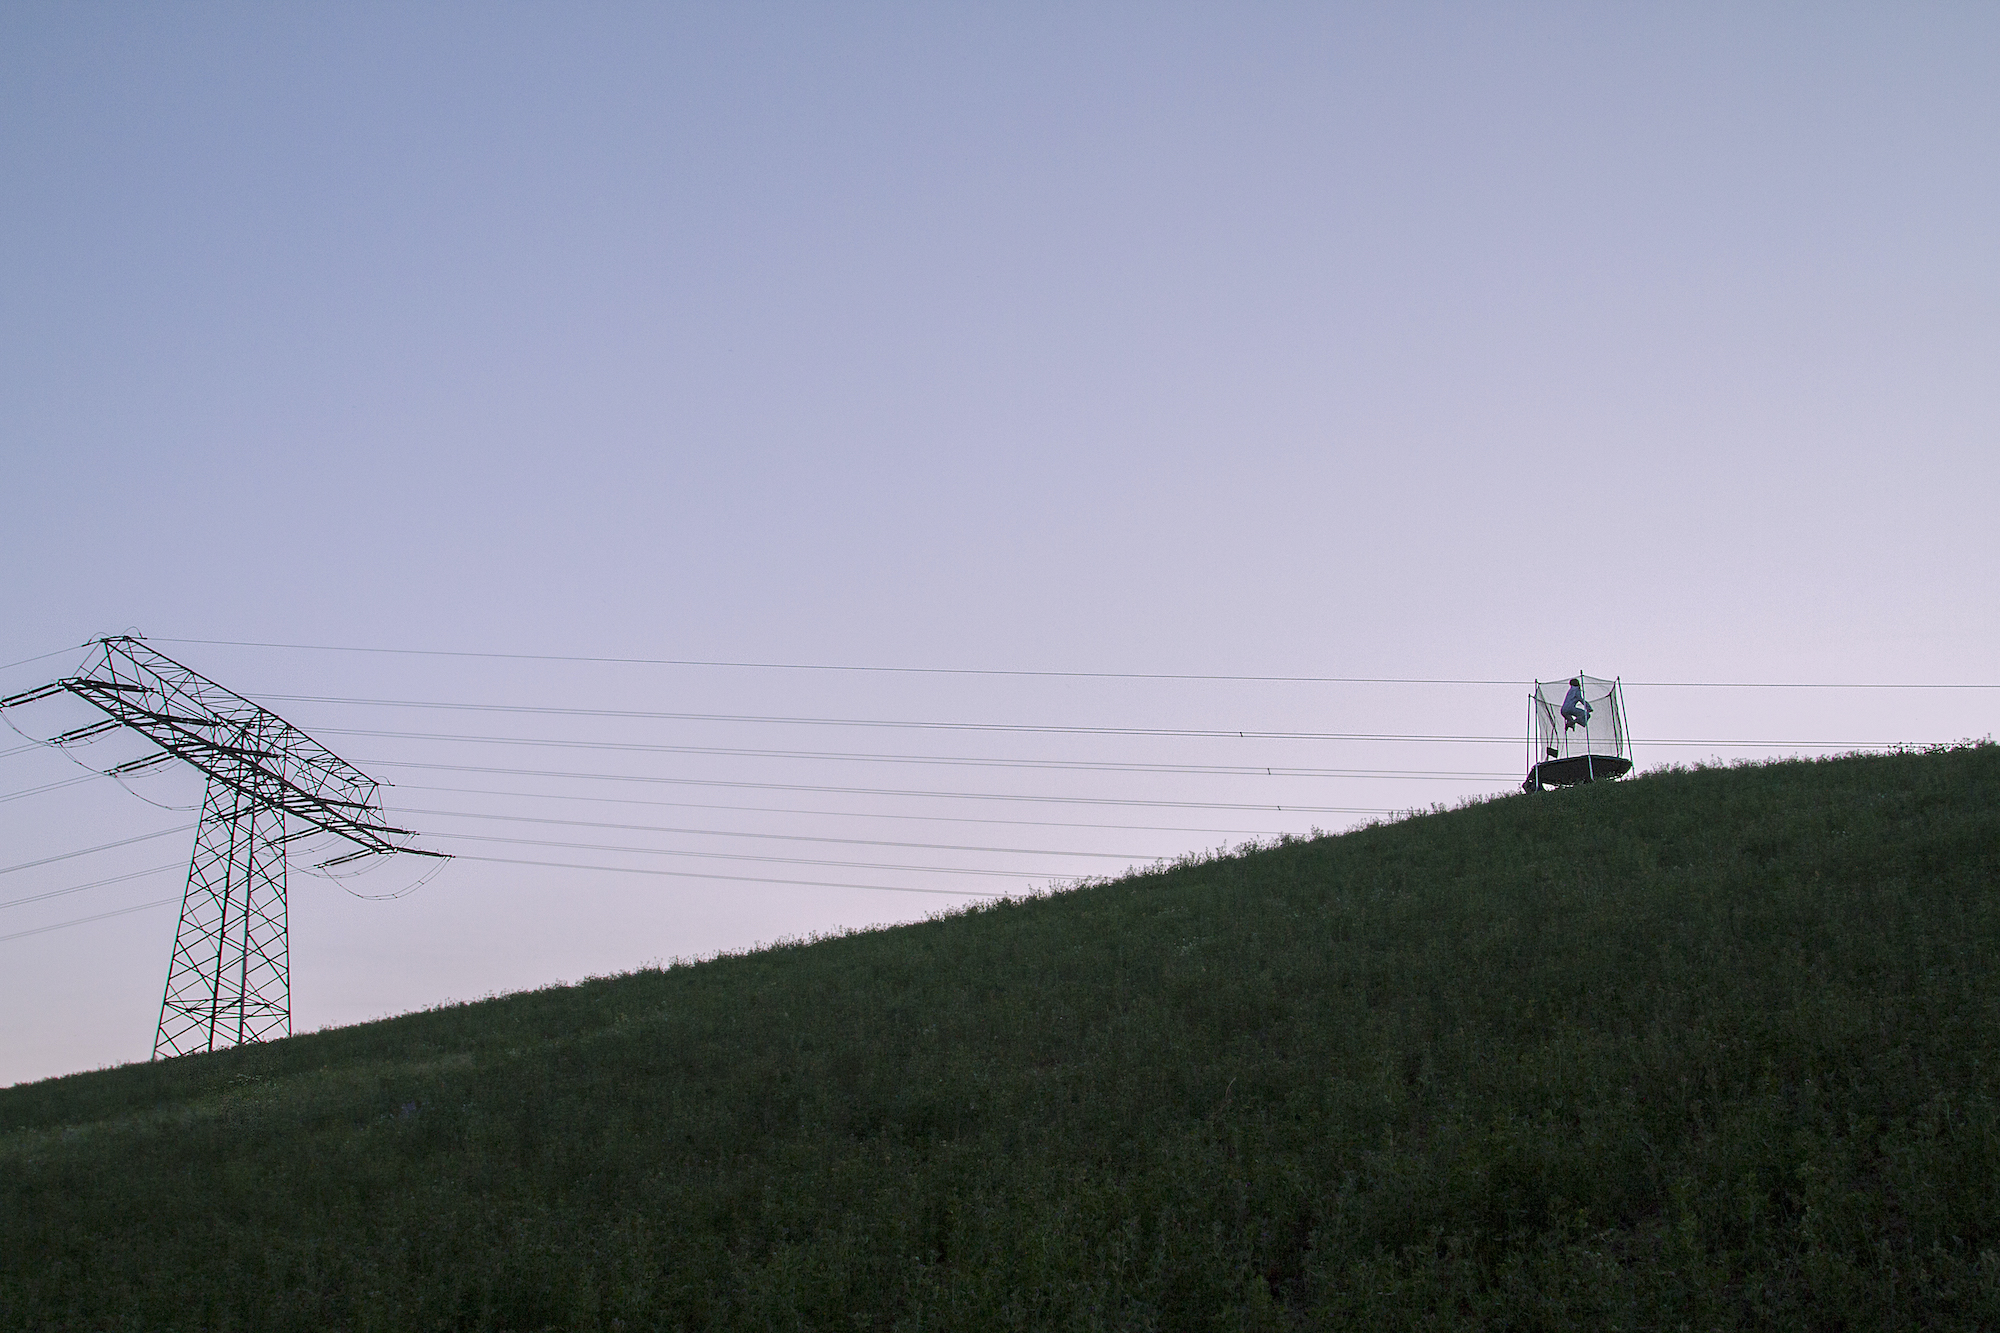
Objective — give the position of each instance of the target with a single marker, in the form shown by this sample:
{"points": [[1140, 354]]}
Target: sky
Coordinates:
{"points": [[1327, 344]]}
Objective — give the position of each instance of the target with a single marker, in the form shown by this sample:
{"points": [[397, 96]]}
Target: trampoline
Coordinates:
{"points": [[1589, 743]]}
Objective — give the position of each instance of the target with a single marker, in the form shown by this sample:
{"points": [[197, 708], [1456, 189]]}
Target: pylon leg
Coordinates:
{"points": [[229, 980]]}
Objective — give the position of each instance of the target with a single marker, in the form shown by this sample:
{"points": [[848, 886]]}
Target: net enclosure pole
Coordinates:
{"points": [[1589, 759], [1624, 725]]}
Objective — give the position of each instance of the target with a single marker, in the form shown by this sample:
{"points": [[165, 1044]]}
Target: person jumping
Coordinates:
{"points": [[1576, 708]]}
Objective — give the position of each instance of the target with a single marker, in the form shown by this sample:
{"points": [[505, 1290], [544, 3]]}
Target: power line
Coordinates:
{"points": [[777, 837], [50, 786], [94, 884], [1003, 728], [567, 865], [86, 920], [1067, 675], [101, 847], [1809, 685], [747, 856], [553, 865], [41, 657], [739, 879], [820, 666], [1773, 745], [864, 814], [623, 714], [1010, 728], [868, 791], [961, 761]]}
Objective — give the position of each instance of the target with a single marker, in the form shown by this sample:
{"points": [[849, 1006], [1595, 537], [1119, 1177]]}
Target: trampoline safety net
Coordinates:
{"points": [[1586, 743]]}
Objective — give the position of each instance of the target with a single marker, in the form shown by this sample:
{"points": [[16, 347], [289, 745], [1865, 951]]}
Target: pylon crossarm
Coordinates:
{"points": [[95, 729], [237, 767], [29, 696], [231, 739], [139, 765]]}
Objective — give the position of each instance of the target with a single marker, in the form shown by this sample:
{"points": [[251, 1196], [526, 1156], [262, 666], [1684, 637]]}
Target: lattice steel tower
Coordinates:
{"points": [[269, 784]]}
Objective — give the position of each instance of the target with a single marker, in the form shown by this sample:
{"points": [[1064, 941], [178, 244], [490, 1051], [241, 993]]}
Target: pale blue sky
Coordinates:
{"points": [[1439, 341]]}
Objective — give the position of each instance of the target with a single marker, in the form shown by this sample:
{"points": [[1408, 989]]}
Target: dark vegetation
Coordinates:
{"points": [[1705, 1049]]}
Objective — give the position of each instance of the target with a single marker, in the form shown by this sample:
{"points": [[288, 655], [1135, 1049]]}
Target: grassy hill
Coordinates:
{"points": [[1706, 1049]]}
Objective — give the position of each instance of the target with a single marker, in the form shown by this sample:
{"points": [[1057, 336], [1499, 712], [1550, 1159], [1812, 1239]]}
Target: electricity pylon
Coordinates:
{"points": [[229, 978]]}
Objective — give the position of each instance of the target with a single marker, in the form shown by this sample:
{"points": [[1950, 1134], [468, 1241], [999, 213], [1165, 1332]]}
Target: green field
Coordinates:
{"points": [[1704, 1049]]}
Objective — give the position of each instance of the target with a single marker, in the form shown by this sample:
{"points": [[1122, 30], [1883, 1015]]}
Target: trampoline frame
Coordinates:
{"points": [[1590, 766]]}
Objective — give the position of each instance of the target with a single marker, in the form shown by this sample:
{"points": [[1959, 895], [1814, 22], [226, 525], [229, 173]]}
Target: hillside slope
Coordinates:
{"points": [[1717, 1048]]}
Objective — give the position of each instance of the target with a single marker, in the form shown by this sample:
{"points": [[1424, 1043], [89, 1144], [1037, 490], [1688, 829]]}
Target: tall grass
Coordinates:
{"points": [[1705, 1049]]}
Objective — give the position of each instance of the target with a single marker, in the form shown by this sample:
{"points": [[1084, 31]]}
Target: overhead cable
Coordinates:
{"points": [[94, 884], [778, 837], [958, 761], [49, 786], [626, 714], [863, 791], [739, 879], [101, 847], [40, 657], [562, 865], [1068, 675], [862, 814], [86, 920], [1007, 728], [820, 666], [749, 856]]}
